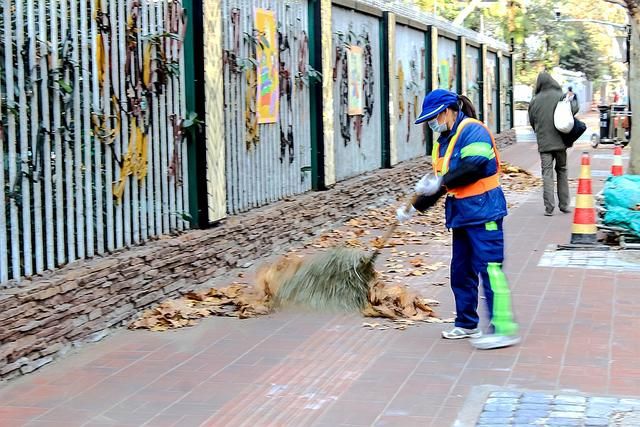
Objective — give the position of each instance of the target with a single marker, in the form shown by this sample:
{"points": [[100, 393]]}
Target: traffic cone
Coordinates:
{"points": [[583, 230], [616, 167]]}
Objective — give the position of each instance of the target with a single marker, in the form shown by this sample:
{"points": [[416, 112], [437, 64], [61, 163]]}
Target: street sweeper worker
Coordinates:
{"points": [[466, 169]]}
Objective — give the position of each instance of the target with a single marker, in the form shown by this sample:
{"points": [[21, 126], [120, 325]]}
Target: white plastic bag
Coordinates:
{"points": [[563, 116]]}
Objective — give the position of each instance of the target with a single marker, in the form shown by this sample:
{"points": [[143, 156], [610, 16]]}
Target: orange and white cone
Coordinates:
{"points": [[616, 167], [583, 230]]}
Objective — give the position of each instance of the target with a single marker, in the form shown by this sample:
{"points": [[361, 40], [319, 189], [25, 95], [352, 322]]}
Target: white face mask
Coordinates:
{"points": [[437, 127]]}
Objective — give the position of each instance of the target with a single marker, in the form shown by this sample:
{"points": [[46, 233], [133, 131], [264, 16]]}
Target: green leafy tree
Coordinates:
{"points": [[581, 53], [442, 8], [632, 8]]}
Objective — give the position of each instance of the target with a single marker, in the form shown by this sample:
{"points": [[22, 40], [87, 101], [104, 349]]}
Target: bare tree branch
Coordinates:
{"points": [[618, 2], [466, 12]]}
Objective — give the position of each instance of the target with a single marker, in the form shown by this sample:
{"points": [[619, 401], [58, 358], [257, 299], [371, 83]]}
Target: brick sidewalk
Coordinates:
{"points": [[580, 332]]}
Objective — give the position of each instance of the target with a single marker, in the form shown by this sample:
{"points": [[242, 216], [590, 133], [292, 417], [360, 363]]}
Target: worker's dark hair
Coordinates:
{"points": [[570, 89], [466, 106]]}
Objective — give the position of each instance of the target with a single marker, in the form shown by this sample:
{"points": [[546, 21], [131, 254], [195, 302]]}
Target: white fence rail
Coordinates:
{"points": [[92, 124]]}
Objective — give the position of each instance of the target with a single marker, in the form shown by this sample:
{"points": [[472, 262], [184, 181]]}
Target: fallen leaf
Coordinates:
{"points": [[436, 266], [416, 262], [404, 321]]}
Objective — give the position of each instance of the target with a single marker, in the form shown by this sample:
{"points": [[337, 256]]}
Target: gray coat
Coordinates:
{"points": [[548, 93]]}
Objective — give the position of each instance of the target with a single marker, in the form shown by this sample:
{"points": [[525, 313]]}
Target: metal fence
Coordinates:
{"points": [[506, 88], [357, 137], [411, 84], [447, 64], [92, 125], [266, 162], [491, 91], [473, 77]]}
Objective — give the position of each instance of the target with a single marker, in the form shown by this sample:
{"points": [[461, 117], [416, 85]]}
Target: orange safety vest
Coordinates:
{"points": [[441, 165]]}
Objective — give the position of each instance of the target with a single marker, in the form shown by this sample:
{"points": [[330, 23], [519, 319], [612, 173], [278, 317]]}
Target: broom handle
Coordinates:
{"points": [[387, 235]]}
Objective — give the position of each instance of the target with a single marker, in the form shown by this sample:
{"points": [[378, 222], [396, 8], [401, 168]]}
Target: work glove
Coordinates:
{"points": [[428, 185], [403, 214]]}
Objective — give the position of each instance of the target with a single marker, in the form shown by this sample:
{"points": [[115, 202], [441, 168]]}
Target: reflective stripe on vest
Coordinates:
{"points": [[441, 164]]}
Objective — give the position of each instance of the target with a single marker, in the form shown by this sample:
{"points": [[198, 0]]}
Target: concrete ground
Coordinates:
{"points": [[580, 329]]}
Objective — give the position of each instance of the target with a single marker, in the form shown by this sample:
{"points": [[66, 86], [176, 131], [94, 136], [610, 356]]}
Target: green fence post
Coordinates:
{"points": [[428, 66], [499, 99], [194, 90], [459, 65], [481, 77], [315, 96], [511, 74], [384, 89]]}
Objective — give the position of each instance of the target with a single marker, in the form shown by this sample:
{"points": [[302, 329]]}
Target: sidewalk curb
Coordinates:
{"points": [[473, 405]]}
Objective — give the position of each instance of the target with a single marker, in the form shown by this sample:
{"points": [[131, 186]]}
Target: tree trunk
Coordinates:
{"points": [[634, 96]]}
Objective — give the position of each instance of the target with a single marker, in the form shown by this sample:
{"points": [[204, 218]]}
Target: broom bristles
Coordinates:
{"points": [[337, 280]]}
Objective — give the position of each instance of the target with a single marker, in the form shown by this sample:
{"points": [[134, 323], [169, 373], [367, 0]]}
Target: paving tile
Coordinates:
{"points": [[483, 376], [404, 405], [17, 413], [489, 360], [568, 408], [387, 421], [563, 422], [596, 422], [493, 415], [507, 394], [530, 413], [351, 412], [65, 414], [534, 406]]}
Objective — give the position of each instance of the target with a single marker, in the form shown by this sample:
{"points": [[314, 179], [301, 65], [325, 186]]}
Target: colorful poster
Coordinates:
{"points": [[355, 67], [443, 74], [267, 57]]}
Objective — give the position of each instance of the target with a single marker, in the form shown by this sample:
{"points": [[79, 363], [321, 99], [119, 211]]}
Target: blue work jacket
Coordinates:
{"points": [[473, 146]]}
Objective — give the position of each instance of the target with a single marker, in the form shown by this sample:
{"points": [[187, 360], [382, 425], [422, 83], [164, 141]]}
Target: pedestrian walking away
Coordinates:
{"points": [[552, 149], [466, 167], [570, 95]]}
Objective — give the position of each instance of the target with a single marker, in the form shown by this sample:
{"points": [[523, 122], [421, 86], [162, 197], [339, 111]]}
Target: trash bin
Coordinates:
{"points": [[605, 112]]}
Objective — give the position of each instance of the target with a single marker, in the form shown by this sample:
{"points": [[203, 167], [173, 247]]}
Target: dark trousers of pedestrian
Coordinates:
{"points": [[478, 253], [555, 160]]}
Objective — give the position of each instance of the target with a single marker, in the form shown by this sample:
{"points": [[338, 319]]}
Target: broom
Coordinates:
{"points": [[337, 280]]}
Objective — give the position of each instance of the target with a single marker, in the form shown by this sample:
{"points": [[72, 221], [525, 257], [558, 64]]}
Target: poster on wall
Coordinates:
{"points": [[489, 88], [473, 90], [443, 74], [267, 57], [355, 68]]}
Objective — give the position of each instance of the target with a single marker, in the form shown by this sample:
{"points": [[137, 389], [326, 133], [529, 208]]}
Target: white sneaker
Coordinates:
{"points": [[489, 342], [459, 333]]}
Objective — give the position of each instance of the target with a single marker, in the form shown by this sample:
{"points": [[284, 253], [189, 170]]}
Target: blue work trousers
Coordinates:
{"points": [[478, 253]]}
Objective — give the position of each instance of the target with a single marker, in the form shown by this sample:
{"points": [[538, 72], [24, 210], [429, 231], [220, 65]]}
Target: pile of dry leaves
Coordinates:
{"points": [[244, 301], [236, 300], [514, 178]]}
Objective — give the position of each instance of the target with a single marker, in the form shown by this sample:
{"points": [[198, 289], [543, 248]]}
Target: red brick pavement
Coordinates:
{"points": [[581, 331]]}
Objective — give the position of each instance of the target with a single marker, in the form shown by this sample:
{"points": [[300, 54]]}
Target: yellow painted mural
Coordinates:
{"points": [[267, 54]]}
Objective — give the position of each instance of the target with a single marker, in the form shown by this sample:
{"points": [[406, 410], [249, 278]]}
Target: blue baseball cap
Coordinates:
{"points": [[436, 102]]}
